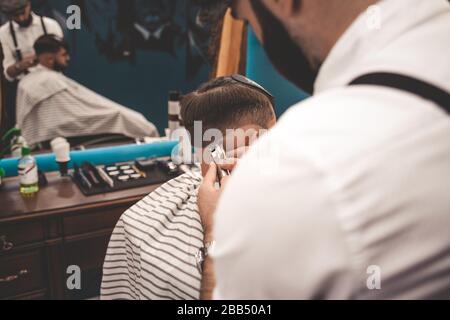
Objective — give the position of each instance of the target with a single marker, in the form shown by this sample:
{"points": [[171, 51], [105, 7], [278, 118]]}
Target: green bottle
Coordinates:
{"points": [[28, 173], [2, 175]]}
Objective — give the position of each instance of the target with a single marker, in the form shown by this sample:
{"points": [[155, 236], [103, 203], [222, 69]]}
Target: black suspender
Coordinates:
{"points": [[19, 55], [44, 28], [415, 86], [16, 45]]}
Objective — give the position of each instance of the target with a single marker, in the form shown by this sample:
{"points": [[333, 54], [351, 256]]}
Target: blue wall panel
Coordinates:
{"points": [[261, 70]]}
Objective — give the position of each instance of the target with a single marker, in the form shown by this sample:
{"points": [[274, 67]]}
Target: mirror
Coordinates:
{"points": [[124, 60]]}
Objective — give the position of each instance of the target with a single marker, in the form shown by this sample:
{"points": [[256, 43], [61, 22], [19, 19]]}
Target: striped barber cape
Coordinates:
{"points": [[152, 252], [51, 105]]}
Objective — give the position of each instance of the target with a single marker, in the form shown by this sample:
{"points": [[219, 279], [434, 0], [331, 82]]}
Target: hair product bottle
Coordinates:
{"points": [[28, 173]]}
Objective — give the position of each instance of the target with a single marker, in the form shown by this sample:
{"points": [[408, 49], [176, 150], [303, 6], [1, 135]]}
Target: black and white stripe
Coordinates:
{"points": [[50, 105], [152, 251]]}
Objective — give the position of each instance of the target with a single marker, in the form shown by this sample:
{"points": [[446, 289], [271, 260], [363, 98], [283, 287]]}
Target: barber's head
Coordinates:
{"points": [[52, 52], [231, 106], [18, 11], [299, 34]]}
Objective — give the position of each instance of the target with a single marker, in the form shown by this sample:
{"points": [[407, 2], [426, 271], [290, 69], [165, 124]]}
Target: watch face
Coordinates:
{"points": [[200, 259], [200, 256]]}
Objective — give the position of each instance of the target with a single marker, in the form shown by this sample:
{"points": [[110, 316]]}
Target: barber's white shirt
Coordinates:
{"points": [[350, 191], [26, 37]]}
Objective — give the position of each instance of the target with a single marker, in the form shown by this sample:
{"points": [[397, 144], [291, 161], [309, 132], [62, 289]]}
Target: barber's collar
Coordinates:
{"points": [[362, 48]]}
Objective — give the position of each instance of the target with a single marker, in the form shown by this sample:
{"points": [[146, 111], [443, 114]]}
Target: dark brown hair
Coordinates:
{"points": [[49, 44], [224, 103]]}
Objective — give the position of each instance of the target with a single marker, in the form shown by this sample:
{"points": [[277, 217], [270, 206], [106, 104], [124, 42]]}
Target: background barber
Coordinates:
{"points": [[17, 38], [347, 197]]}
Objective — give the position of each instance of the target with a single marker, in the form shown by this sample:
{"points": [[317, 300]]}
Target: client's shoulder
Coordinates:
{"points": [[39, 74], [41, 77], [180, 188], [172, 204], [177, 194]]}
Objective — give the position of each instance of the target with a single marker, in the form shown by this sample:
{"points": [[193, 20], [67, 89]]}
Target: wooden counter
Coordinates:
{"points": [[41, 237]]}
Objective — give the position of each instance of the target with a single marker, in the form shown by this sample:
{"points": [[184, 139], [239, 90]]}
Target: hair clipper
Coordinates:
{"points": [[219, 156]]}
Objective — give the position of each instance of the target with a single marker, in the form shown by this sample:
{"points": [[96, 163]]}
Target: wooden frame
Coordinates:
{"points": [[233, 47], [2, 97]]}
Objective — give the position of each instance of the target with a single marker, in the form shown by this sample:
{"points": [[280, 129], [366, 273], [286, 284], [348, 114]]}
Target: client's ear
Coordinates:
{"points": [[46, 59], [240, 149], [243, 137], [251, 135]]}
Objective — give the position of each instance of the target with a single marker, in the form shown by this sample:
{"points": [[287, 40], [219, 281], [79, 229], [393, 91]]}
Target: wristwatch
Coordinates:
{"points": [[203, 253], [18, 67]]}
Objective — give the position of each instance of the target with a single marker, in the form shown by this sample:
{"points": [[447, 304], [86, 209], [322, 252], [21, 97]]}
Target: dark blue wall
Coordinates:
{"points": [[261, 70]]}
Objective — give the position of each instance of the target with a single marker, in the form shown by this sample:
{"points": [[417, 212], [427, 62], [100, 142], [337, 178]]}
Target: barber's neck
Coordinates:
{"points": [[321, 31]]}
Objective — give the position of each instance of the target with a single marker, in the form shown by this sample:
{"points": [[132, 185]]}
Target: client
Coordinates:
{"points": [[50, 105], [153, 252]]}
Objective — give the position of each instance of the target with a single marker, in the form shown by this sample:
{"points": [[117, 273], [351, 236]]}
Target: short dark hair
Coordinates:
{"points": [[224, 103], [49, 44]]}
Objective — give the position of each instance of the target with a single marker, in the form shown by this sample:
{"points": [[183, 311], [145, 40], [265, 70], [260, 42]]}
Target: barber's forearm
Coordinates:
{"points": [[22, 66], [208, 280]]}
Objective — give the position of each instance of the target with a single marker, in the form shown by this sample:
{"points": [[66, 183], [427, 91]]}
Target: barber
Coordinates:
{"points": [[17, 38], [347, 197]]}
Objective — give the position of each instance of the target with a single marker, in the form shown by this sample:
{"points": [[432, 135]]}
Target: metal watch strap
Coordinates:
{"points": [[203, 253]]}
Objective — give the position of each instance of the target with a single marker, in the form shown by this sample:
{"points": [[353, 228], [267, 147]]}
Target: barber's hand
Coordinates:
{"points": [[208, 196], [27, 62]]}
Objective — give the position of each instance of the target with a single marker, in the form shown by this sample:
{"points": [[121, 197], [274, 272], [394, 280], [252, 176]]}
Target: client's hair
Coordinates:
{"points": [[49, 44], [224, 103]]}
